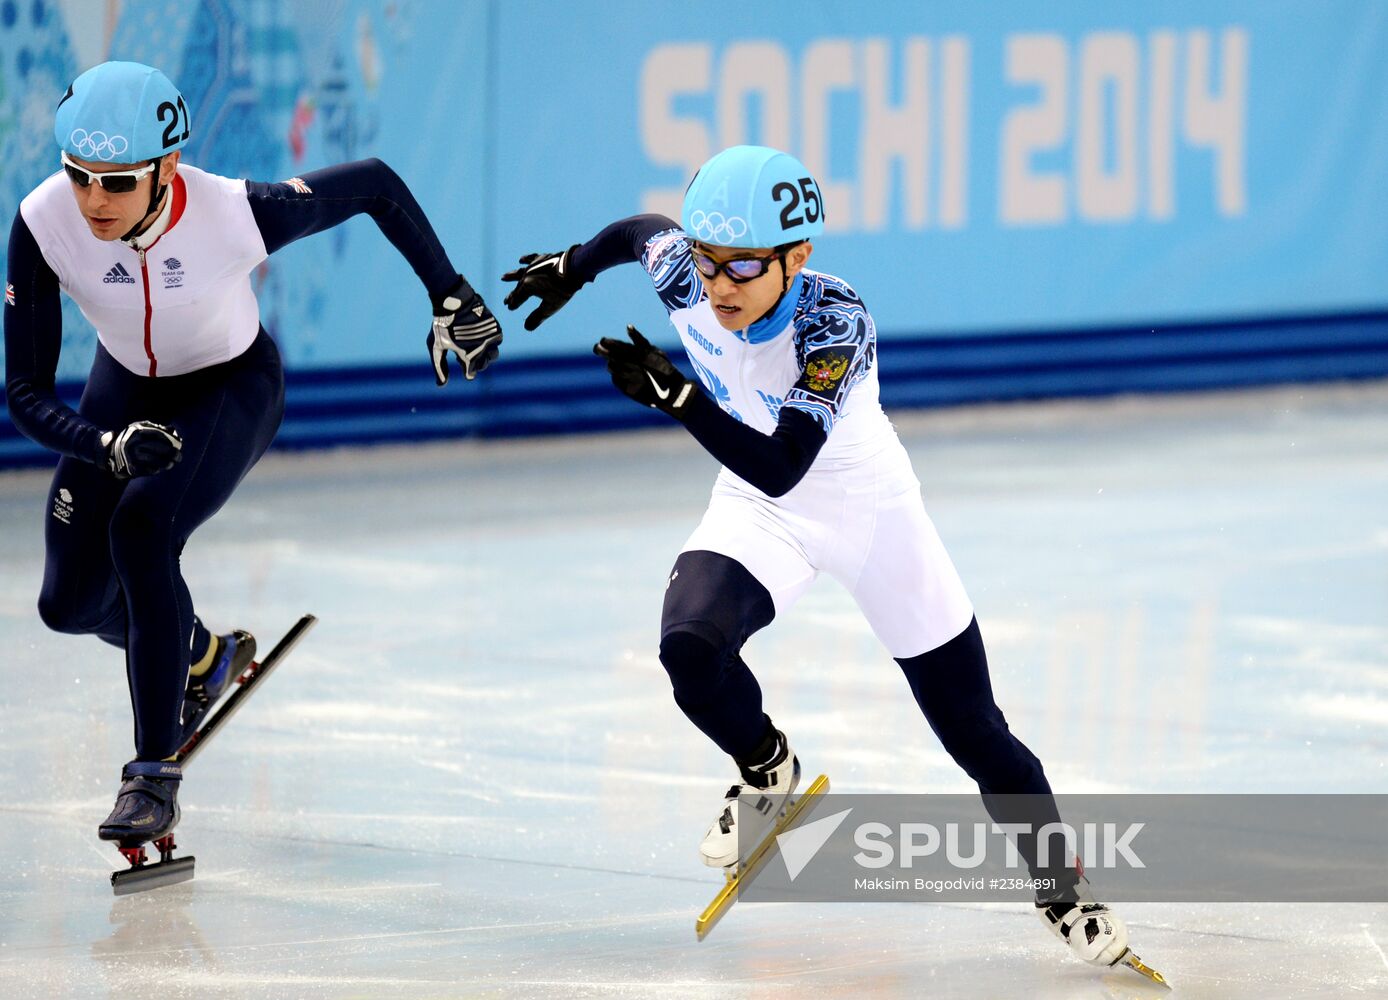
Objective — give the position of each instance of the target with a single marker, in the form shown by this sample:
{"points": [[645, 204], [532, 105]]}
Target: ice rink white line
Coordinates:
{"points": [[205, 813], [221, 980], [355, 890], [641, 987], [19, 954], [1017, 910], [1382, 957], [461, 855], [105, 856], [577, 924]]}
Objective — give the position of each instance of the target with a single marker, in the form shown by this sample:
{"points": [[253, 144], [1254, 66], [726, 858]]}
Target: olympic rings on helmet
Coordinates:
{"points": [[714, 227], [98, 145]]}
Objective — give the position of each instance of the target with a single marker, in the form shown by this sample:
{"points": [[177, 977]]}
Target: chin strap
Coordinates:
{"points": [[156, 196], [774, 321], [781, 254], [785, 286]]}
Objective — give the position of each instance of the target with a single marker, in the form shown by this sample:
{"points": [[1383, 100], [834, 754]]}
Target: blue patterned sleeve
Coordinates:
{"points": [[666, 259], [836, 343]]}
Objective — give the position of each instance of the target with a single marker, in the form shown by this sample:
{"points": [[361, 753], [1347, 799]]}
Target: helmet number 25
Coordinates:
{"points": [[175, 114], [813, 206]]}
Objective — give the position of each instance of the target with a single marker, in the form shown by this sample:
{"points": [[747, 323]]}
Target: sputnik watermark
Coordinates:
{"points": [[1138, 848], [881, 846]]}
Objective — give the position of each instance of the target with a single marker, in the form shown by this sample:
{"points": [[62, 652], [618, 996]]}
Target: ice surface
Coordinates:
{"points": [[470, 780]]}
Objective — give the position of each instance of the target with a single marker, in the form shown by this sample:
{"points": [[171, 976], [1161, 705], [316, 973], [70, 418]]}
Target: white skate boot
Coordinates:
{"points": [[1093, 931], [776, 779]]}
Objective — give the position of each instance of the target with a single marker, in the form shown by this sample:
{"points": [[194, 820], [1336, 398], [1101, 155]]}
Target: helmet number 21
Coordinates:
{"points": [[813, 206], [174, 114]]}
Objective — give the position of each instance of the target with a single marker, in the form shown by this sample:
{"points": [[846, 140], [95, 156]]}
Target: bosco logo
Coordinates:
{"points": [[703, 341]]}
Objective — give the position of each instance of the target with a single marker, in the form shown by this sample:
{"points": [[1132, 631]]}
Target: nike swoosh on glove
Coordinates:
{"points": [[644, 372], [547, 277]]}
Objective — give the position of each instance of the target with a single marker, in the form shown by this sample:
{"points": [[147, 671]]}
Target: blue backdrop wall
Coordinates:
{"points": [[1032, 199]]}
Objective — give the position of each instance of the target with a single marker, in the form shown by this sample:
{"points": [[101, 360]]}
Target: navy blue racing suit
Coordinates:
{"points": [[113, 546]]}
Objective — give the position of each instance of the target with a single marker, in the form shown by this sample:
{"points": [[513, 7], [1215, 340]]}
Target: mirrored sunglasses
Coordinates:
{"points": [[114, 181], [739, 269]]}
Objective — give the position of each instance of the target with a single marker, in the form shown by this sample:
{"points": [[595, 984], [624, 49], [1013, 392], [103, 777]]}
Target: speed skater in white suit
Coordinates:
{"points": [[814, 479], [186, 390]]}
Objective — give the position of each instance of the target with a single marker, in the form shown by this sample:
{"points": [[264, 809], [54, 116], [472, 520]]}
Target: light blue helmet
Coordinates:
{"points": [[121, 112], [752, 196]]}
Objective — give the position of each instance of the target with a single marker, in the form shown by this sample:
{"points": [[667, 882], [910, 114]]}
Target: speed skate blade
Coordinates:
{"points": [[245, 684], [749, 868], [151, 876], [1135, 963]]}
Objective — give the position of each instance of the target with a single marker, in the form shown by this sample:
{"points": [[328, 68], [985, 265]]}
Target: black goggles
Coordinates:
{"points": [[113, 181], [738, 269]]}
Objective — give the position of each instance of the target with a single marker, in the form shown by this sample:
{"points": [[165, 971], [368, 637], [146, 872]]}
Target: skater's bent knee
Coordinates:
{"points": [[64, 612], [692, 655], [59, 615], [965, 731]]}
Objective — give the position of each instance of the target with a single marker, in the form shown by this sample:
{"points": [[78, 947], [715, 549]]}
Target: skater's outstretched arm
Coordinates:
{"points": [[33, 340], [463, 325], [554, 278], [623, 242], [773, 463], [322, 199]]}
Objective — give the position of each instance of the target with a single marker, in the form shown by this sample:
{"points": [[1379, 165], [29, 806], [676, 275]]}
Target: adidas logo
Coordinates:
{"points": [[118, 275]]}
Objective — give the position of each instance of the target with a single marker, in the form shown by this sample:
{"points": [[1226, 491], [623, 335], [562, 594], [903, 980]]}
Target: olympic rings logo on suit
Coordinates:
{"points": [[714, 227], [98, 145]]}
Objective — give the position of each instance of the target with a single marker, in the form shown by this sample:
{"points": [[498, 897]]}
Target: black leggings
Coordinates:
{"points": [[113, 546], [713, 605], [954, 693]]}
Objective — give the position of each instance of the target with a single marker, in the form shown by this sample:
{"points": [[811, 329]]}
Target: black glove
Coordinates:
{"points": [[465, 326], [547, 277], [643, 372], [142, 449]]}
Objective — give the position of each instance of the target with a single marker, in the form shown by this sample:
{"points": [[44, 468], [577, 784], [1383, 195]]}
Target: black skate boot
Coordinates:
{"points": [[147, 804], [230, 659], [147, 810]]}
